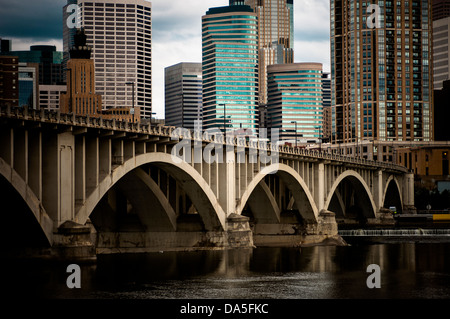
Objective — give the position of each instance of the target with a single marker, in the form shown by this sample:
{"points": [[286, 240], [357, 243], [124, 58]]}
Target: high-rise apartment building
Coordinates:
{"points": [[119, 31], [230, 68], [276, 36], [381, 76], [326, 93], [183, 94], [295, 100]]}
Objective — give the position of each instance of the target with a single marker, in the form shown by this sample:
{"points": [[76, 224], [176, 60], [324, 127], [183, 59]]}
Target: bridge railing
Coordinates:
{"points": [[168, 131]]}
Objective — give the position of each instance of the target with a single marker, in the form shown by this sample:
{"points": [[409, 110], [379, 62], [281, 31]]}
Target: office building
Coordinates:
{"points": [[119, 31], [9, 81], [381, 77], [276, 36], [230, 68], [430, 164], [441, 52], [29, 85], [50, 96], [48, 60], [70, 18], [295, 103], [81, 98], [183, 94]]}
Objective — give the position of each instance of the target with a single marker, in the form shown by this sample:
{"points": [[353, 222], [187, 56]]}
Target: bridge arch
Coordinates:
{"points": [[360, 187], [296, 185], [392, 195], [195, 186], [30, 199]]}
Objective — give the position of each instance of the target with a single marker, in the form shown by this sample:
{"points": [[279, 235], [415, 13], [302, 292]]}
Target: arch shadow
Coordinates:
{"points": [[29, 198], [202, 196], [392, 195], [295, 183], [364, 197]]}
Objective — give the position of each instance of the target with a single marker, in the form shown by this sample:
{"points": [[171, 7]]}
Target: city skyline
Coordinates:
{"points": [[175, 24]]}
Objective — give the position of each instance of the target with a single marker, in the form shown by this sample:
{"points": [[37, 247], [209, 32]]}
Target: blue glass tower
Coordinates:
{"points": [[230, 68]]}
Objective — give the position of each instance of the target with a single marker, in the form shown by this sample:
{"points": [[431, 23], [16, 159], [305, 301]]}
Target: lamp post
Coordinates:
{"points": [[295, 122], [132, 109], [224, 118]]}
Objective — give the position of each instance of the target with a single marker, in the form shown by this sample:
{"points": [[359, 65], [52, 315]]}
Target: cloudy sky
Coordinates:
{"points": [[176, 31]]}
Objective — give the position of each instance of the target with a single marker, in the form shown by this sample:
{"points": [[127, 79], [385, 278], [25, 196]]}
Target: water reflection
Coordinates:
{"points": [[408, 271]]}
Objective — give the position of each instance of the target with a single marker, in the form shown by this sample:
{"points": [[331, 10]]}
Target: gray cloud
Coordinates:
{"points": [[39, 20]]}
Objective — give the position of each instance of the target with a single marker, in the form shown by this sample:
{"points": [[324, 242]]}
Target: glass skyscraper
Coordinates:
{"points": [[295, 100], [381, 77], [230, 68], [276, 36]]}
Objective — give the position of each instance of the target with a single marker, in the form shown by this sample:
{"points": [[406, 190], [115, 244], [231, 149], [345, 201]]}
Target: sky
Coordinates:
{"points": [[176, 32]]}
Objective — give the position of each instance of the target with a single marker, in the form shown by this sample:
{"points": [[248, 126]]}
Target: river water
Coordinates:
{"points": [[408, 271]]}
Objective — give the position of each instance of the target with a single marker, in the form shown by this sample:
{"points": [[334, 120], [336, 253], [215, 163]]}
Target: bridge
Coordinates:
{"points": [[77, 186]]}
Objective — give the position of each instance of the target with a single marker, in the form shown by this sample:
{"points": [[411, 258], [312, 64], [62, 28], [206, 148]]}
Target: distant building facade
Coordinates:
{"points": [[81, 98], [9, 81], [295, 102], [183, 94], [382, 77], [120, 33]]}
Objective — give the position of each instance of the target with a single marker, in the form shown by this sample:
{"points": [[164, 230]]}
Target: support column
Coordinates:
{"points": [[378, 190], [35, 163], [226, 182], [66, 150], [319, 185], [408, 192]]}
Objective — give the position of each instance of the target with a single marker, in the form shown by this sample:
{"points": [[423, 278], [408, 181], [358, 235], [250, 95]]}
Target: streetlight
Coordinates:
{"points": [[295, 122], [132, 109], [224, 117]]}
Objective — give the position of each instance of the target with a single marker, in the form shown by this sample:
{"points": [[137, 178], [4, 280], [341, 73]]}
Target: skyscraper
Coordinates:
{"points": [[119, 31], [81, 98], [441, 52], [295, 102], [230, 68], [276, 36], [381, 77], [183, 94]]}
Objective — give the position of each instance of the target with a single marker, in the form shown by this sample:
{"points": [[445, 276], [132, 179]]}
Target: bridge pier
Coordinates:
{"points": [[292, 233]]}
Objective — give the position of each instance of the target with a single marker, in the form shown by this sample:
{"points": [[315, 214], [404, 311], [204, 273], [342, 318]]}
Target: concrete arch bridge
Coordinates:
{"points": [[79, 186]]}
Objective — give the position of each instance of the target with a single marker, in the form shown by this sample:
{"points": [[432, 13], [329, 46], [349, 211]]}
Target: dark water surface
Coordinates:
{"points": [[408, 271]]}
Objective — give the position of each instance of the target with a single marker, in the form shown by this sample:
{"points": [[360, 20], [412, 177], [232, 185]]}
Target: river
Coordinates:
{"points": [[408, 271]]}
